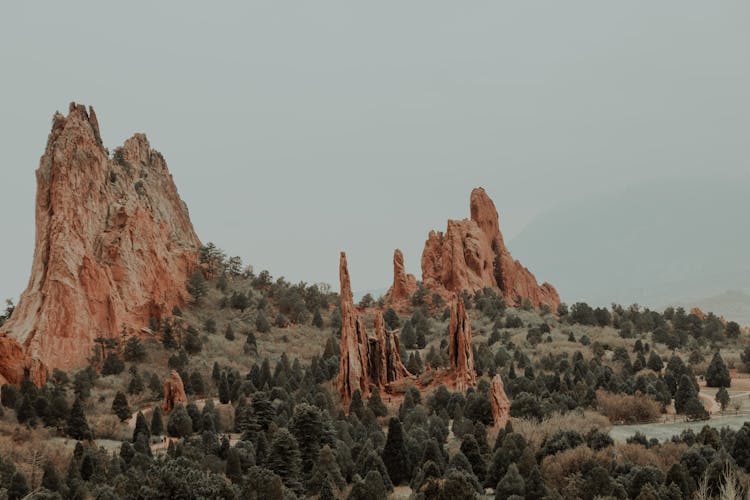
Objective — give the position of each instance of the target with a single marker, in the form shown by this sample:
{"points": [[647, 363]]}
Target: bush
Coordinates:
{"points": [[626, 408]]}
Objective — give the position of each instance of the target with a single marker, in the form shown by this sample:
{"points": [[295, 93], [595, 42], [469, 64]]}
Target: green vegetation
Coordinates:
{"points": [[258, 357]]}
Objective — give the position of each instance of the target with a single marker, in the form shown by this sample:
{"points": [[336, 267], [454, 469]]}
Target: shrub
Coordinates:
{"points": [[627, 408]]}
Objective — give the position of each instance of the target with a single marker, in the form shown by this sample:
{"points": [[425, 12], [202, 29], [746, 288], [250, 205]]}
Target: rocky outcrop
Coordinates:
{"points": [[353, 366], [174, 392], [114, 245], [499, 402], [698, 312], [16, 365], [460, 353], [404, 285], [471, 255], [385, 355], [366, 361]]}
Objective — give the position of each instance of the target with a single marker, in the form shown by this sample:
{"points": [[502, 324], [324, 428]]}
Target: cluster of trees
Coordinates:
{"points": [[674, 327]]}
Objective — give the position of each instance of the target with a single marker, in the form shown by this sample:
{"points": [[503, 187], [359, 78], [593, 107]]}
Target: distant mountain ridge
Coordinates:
{"points": [[654, 244]]}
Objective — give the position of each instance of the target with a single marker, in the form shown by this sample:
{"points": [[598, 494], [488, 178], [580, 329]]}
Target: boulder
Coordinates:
{"points": [[460, 352], [174, 392]]}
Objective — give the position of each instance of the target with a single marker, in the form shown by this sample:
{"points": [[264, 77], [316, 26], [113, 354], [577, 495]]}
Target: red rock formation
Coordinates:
{"points": [[471, 255], [16, 364], [389, 368], [365, 360], [459, 345], [174, 392], [404, 285], [353, 368], [114, 244], [500, 402], [698, 312]]}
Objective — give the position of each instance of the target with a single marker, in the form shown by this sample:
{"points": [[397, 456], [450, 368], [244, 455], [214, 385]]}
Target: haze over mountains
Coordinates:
{"points": [[677, 242]]}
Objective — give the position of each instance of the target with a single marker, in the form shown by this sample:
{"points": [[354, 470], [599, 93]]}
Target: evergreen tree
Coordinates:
{"points": [[392, 321], [717, 373], [261, 323], [141, 427], [284, 459], [722, 397], [136, 384], [196, 285], [120, 406], [224, 394], [234, 466], [654, 362], [326, 470], [193, 343], [26, 414], [51, 479], [317, 320], [157, 422], [511, 484], [472, 452], [134, 350], [167, 338], [179, 424], [18, 487], [375, 404], [78, 426], [394, 453], [113, 365], [307, 428], [685, 392], [408, 336], [155, 386], [229, 332]]}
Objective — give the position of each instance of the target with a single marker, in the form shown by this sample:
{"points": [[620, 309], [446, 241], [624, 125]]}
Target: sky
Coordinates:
{"points": [[295, 130]]}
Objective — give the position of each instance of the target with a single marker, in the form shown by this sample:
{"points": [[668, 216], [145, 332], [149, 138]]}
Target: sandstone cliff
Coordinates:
{"points": [[114, 245], [471, 255]]}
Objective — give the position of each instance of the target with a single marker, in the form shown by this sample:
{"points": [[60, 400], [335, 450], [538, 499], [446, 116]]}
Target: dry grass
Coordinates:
{"points": [[536, 432], [30, 449]]}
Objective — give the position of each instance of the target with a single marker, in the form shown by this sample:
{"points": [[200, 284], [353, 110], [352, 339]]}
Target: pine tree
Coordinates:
{"points": [[470, 448], [392, 321], [180, 424], [511, 484], [317, 320], [375, 404], [141, 427], [326, 470], [654, 362], [394, 453], [196, 285], [51, 479], [307, 428], [224, 394], [284, 459], [261, 323], [136, 384], [26, 414], [722, 397], [120, 406], [78, 426], [157, 422], [408, 335], [234, 466], [18, 487], [717, 373], [229, 332]]}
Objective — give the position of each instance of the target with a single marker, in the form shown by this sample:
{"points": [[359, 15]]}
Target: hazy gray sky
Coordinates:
{"points": [[298, 129]]}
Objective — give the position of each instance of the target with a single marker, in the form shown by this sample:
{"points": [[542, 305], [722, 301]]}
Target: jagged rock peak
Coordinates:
{"points": [[471, 255], [114, 244]]}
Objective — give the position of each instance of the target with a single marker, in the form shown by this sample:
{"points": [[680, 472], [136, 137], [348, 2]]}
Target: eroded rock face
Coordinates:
{"points": [[500, 402], [471, 255], [366, 360], [404, 285], [353, 368], [114, 244], [459, 345], [16, 364], [174, 392]]}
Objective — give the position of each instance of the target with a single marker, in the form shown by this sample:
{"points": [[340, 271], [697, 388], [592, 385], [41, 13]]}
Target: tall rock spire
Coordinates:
{"points": [[460, 352]]}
